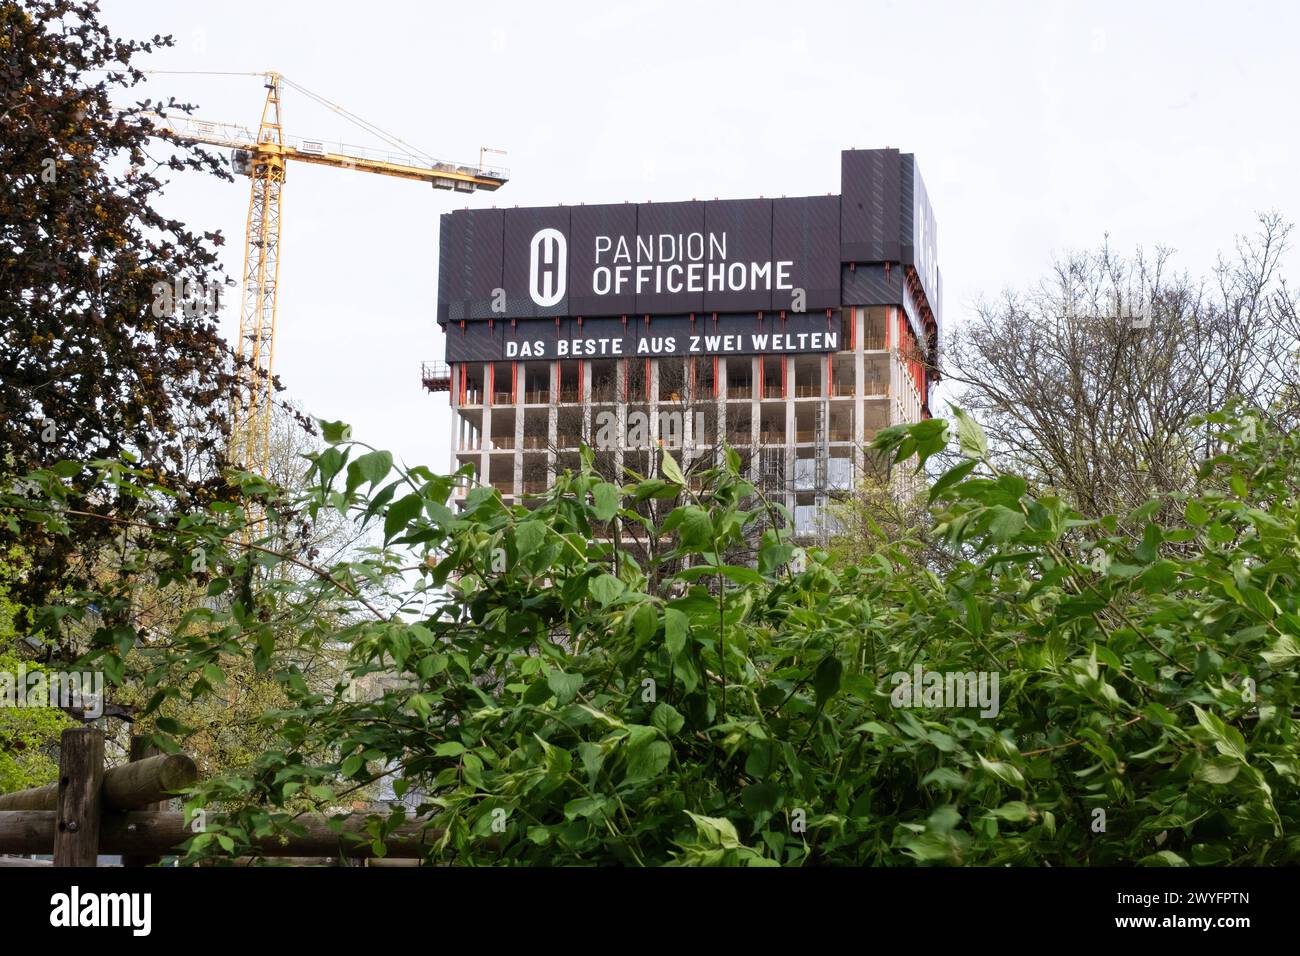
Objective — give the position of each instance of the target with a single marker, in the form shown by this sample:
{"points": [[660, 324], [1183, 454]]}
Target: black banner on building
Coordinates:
{"points": [[677, 258], [568, 339]]}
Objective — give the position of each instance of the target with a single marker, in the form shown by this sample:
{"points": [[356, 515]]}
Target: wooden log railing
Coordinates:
{"points": [[93, 811], [132, 786], [160, 832]]}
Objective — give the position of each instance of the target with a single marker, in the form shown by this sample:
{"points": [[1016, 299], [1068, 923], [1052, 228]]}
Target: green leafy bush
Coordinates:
{"points": [[543, 704]]}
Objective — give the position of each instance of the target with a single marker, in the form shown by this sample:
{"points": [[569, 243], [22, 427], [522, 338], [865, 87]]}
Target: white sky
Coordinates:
{"points": [[1039, 127]]}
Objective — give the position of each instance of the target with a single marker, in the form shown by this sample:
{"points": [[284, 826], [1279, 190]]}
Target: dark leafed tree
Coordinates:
{"points": [[1090, 381], [108, 331]]}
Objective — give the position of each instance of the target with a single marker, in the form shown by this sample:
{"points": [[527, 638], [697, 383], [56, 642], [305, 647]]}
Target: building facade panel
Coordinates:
{"points": [[588, 229], [746, 225], [535, 266]]}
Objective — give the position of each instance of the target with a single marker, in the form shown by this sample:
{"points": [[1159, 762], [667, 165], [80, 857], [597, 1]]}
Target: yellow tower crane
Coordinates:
{"points": [[263, 156]]}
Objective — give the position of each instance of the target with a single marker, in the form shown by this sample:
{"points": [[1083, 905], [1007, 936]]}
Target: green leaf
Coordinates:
{"points": [[693, 524], [667, 719], [608, 499], [328, 464], [676, 628], [1163, 858], [718, 831], [529, 536], [334, 432], [826, 682], [1218, 770], [951, 477], [371, 468], [647, 760], [1259, 602], [1003, 771], [1017, 811], [606, 589], [592, 759], [564, 686], [1284, 651], [400, 514], [1149, 550], [672, 471], [1227, 740], [1195, 513], [1005, 524], [1158, 578], [645, 621], [761, 798], [970, 435], [740, 575], [595, 806]]}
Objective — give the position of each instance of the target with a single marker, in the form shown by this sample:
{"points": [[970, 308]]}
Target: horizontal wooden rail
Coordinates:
{"points": [[160, 832], [127, 787]]}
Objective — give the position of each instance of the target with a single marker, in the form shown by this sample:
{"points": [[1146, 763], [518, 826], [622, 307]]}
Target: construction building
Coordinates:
{"points": [[793, 329]]}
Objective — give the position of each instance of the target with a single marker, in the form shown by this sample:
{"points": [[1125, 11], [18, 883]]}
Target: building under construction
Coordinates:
{"points": [[791, 329]]}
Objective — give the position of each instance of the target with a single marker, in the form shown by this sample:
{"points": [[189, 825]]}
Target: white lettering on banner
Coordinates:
{"points": [[548, 267], [525, 349], [753, 343], [589, 347], [676, 263]]}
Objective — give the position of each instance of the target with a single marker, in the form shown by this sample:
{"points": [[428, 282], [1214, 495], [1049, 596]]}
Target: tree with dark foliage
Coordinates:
{"points": [[98, 353]]}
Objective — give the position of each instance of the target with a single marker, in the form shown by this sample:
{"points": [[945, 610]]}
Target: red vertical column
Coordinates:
{"points": [[514, 383]]}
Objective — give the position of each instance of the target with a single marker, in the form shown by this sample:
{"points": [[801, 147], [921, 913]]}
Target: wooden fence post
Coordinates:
{"points": [[141, 748], [81, 773]]}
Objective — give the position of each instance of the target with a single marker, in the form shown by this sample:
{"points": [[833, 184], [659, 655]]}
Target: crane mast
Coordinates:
{"points": [[251, 431], [264, 157]]}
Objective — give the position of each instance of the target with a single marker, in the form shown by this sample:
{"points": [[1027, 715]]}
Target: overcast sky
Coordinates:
{"points": [[1038, 127]]}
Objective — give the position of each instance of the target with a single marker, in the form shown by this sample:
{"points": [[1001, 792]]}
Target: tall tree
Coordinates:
{"points": [[1089, 381], [99, 354]]}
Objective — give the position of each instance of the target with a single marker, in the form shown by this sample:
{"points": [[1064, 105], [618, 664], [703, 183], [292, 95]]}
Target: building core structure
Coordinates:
{"points": [[791, 329]]}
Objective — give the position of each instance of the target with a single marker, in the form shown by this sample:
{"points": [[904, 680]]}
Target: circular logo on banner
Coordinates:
{"points": [[548, 262]]}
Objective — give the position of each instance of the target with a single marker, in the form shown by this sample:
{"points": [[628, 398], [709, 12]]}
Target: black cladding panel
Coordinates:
{"points": [[470, 249], [522, 241], [872, 285], [745, 226], [476, 342], [449, 252], [590, 226], [870, 183], [668, 228], [805, 234]]}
